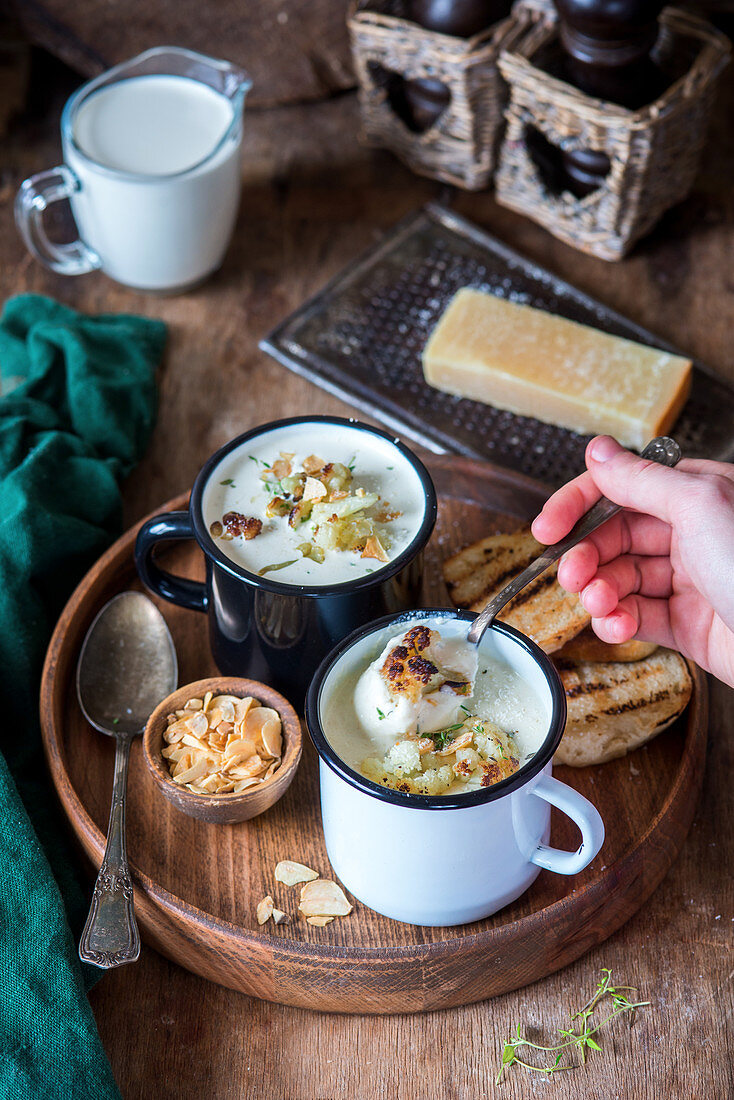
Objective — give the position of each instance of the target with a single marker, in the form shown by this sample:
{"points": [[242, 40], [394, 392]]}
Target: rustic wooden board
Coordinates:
{"points": [[197, 884], [293, 51]]}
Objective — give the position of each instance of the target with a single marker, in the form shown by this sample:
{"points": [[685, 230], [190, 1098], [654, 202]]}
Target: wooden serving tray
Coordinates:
{"points": [[197, 885]]}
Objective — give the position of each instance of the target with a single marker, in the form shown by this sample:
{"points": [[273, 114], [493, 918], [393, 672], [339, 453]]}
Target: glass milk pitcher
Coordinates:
{"points": [[151, 169]]}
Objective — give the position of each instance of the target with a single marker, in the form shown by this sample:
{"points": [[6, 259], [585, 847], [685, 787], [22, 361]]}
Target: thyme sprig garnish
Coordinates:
{"points": [[580, 1037], [441, 738]]}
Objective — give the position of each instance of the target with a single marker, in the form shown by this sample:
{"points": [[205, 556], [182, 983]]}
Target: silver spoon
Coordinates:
{"points": [[127, 665], [663, 450]]}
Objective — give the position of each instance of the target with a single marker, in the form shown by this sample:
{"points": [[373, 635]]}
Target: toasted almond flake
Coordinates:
{"points": [[207, 753], [244, 748], [193, 742], [292, 873], [194, 772], [243, 784], [253, 766], [280, 917], [312, 464], [198, 723], [459, 742], [193, 704], [319, 922], [264, 910], [323, 898], [271, 737], [241, 708], [175, 732], [373, 548], [273, 768], [314, 489], [256, 719], [280, 468], [425, 745]]}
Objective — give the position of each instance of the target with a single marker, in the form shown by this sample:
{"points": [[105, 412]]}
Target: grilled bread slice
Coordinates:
{"points": [[587, 647], [615, 707], [543, 610]]}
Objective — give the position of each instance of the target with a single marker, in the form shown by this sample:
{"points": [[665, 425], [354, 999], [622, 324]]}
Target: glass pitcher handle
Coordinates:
{"points": [[35, 195]]}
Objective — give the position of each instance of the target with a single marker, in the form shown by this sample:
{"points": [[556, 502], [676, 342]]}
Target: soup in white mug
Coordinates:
{"points": [[427, 715]]}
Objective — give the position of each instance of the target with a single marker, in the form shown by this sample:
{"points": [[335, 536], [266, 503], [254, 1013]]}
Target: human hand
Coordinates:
{"points": [[662, 570]]}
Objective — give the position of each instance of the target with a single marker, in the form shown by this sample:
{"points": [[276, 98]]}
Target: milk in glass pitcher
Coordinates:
{"points": [[151, 169]]}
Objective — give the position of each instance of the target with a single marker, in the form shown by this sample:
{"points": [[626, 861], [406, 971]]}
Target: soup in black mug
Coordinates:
{"points": [[310, 527]]}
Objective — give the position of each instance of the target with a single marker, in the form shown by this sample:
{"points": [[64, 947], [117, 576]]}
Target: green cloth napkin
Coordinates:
{"points": [[78, 408]]}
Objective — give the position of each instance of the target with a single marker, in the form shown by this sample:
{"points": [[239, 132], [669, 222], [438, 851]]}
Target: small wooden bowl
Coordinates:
{"points": [[224, 809]]}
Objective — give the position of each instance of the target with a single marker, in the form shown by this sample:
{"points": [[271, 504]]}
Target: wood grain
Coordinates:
{"points": [[293, 51], [199, 909], [312, 200]]}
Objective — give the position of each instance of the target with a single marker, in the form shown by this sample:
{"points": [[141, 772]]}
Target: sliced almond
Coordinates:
{"points": [[323, 898], [194, 772], [264, 910], [207, 751], [459, 742], [314, 489], [313, 464], [319, 922], [243, 784], [280, 468], [241, 708], [292, 873], [253, 766], [373, 548], [280, 917], [271, 737], [198, 723], [256, 719], [244, 748]]}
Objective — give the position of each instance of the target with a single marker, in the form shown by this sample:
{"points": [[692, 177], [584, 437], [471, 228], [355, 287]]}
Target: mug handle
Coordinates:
{"points": [[178, 590], [583, 813], [35, 195]]}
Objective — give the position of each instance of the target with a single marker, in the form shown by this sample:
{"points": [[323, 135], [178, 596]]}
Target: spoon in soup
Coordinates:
{"points": [[663, 450], [127, 665]]}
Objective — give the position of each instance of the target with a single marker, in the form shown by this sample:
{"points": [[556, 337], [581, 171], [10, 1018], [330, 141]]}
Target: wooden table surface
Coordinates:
{"points": [[312, 200]]}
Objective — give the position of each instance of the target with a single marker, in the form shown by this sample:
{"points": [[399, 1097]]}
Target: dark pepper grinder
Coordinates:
{"points": [[606, 53], [426, 97]]}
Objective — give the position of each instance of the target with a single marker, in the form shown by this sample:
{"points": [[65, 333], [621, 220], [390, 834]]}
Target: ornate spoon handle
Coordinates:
{"points": [[663, 450], [110, 937]]}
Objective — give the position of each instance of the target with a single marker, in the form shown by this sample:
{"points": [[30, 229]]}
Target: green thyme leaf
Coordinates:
{"points": [[574, 1040], [227, 481]]}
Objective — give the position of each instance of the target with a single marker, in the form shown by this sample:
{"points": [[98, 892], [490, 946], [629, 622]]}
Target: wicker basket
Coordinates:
{"points": [[461, 146], [654, 152]]}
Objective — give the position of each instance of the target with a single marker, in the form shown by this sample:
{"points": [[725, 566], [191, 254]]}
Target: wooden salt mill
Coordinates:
{"points": [[427, 98], [606, 53]]}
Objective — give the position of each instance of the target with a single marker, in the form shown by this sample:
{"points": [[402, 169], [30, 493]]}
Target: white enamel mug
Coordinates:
{"points": [[446, 859]]}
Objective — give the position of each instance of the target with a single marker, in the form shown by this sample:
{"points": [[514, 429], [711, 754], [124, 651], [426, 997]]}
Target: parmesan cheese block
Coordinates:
{"points": [[536, 364]]}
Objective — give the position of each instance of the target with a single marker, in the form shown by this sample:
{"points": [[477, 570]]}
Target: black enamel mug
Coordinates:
{"points": [[268, 629]]}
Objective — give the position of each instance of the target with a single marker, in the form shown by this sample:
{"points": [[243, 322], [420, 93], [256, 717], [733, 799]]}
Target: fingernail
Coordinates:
{"points": [[603, 448]]}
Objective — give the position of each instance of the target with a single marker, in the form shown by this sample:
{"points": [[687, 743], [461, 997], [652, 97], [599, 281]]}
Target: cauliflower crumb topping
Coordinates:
{"points": [[321, 501], [467, 756]]}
